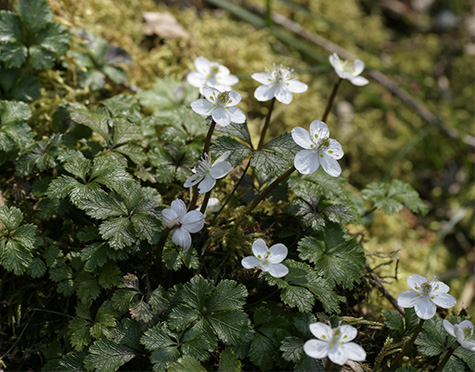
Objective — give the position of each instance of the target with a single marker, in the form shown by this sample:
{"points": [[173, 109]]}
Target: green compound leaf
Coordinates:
{"points": [[107, 355], [186, 364], [390, 198], [35, 14], [302, 286], [428, 344], [98, 122], [238, 151], [468, 356], [393, 320], [240, 131], [292, 348], [10, 28], [16, 85], [11, 217], [229, 362], [276, 156], [13, 54], [338, 260]]}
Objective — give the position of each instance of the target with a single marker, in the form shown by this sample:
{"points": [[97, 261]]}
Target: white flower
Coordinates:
{"points": [[334, 343], [278, 83], [424, 295], [220, 105], [319, 149], [349, 69], [463, 332], [206, 174], [267, 259], [211, 74], [182, 223]]}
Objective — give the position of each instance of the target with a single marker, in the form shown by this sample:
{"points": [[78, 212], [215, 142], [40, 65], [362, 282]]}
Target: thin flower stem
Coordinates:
{"points": [[232, 193], [408, 346], [331, 99], [332, 367], [194, 197], [205, 202], [442, 364], [267, 190], [160, 245], [266, 124]]}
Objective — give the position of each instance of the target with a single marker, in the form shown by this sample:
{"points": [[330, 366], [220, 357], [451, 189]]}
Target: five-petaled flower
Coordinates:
{"points": [[278, 83], [425, 295], [220, 105], [319, 149], [463, 332], [182, 223], [206, 174], [349, 69], [211, 74], [334, 343], [267, 259]]}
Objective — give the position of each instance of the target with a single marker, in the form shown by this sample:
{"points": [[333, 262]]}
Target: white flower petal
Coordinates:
{"points": [[182, 238], [223, 157], [470, 345], [348, 333], [206, 184], [259, 248], [250, 262], [359, 66], [219, 170], [439, 287], [179, 207], [319, 130], [233, 98], [282, 94], [335, 62], [263, 77], [296, 86], [408, 298], [278, 270], [330, 165], [337, 355], [169, 218], [443, 300], [415, 281], [221, 116], [322, 331], [202, 65], [264, 92], [237, 115], [316, 349], [306, 161], [301, 137], [196, 79], [227, 80], [449, 327], [278, 252], [354, 351], [425, 308], [467, 324], [359, 81], [192, 180], [202, 107], [193, 221], [334, 149]]}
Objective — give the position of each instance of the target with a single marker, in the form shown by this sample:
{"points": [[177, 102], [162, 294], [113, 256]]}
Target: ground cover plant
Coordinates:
{"points": [[207, 220]]}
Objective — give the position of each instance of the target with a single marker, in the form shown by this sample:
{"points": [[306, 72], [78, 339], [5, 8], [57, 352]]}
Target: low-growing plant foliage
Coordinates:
{"points": [[95, 223]]}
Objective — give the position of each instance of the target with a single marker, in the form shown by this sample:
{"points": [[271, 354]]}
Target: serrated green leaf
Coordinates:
{"points": [[72, 362], [101, 205], [10, 28], [116, 73], [308, 364], [98, 122], [107, 356], [80, 336], [118, 231], [164, 348], [238, 150], [229, 362], [240, 131], [393, 320], [13, 54], [455, 365], [54, 38], [35, 14], [87, 288], [125, 131], [15, 257], [13, 112], [11, 217], [40, 58], [428, 344], [37, 268], [339, 261], [261, 351], [468, 356], [292, 348], [391, 198], [276, 156], [187, 364], [109, 275], [227, 295], [18, 86], [79, 167]]}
